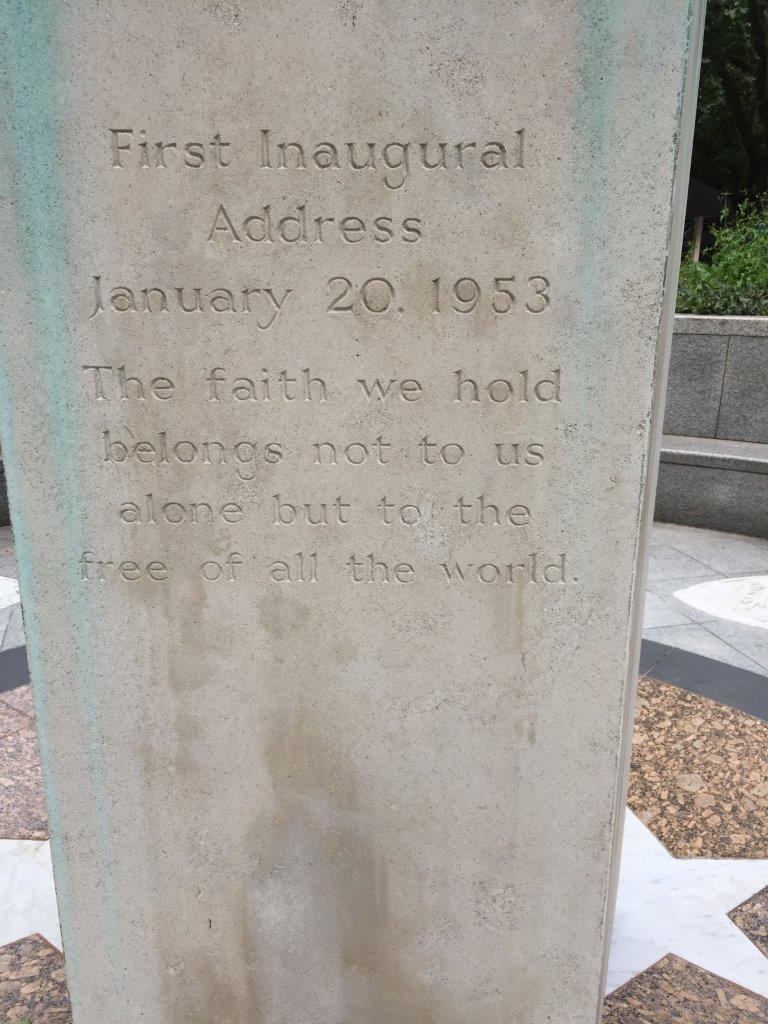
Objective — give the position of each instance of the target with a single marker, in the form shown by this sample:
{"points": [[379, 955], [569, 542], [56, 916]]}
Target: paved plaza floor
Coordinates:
{"points": [[708, 594], [690, 941]]}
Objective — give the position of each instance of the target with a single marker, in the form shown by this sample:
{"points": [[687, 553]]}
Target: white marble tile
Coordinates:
{"points": [[27, 895], [741, 599], [681, 906], [697, 638], [9, 591]]}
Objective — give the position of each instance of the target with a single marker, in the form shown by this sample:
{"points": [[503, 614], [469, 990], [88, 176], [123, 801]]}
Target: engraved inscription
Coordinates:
{"points": [[238, 463]]}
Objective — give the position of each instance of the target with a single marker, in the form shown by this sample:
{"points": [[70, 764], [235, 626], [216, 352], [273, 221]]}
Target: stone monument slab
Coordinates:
{"points": [[329, 338]]}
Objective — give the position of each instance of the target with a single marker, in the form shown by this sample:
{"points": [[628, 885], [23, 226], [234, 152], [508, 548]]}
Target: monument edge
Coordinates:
{"points": [[686, 128]]}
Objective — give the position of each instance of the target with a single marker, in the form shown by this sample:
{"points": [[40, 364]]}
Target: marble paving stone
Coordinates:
{"points": [[667, 563], [669, 905], [698, 777], [672, 534], [33, 984], [698, 639], [660, 611], [674, 991], [21, 699], [9, 591], [731, 554], [14, 634], [12, 719], [27, 893], [752, 641], [8, 564], [752, 917], [667, 590], [22, 803]]}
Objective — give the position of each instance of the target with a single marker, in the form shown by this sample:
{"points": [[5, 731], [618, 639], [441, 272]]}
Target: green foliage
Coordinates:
{"points": [[731, 142], [735, 280]]}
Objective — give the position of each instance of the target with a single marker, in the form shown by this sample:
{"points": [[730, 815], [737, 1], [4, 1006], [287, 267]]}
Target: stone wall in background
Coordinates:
{"points": [[718, 378], [714, 458]]}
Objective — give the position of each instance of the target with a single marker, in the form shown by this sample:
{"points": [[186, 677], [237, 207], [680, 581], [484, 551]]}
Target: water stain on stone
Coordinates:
{"points": [[344, 652], [525, 727], [318, 905], [282, 616]]}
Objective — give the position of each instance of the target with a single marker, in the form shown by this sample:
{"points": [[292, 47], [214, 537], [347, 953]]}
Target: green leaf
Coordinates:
{"points": [[735, 281]]}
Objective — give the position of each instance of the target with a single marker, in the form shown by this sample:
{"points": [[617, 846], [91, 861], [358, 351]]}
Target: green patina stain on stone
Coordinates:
{"points": [[597, 49], [26, 33]]}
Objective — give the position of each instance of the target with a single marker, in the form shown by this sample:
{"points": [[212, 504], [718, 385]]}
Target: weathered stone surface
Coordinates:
{"points": [[332, 677], [694, 384], [744, 404]]}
